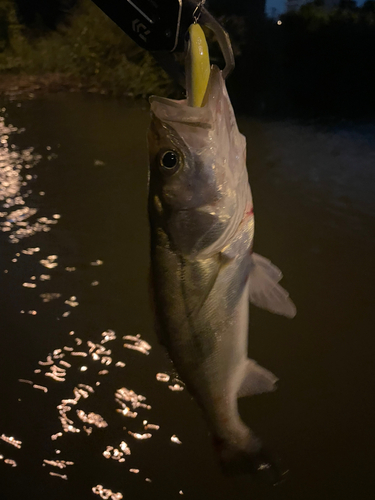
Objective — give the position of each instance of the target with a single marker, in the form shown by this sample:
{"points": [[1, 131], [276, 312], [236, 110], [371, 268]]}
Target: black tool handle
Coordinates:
{"points": [[153, 25], [160, 26]]}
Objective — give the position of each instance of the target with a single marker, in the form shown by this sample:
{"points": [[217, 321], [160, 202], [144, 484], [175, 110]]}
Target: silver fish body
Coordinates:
{"points": [[203, 269]]}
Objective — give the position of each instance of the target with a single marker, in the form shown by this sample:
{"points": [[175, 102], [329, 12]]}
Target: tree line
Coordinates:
{"points": [[313, 62]]}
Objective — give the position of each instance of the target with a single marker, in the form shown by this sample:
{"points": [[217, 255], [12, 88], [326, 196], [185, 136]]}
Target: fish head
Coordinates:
{"points": [[198, 174]]}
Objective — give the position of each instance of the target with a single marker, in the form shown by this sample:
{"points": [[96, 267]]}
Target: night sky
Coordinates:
{"points": [[279, 5]]}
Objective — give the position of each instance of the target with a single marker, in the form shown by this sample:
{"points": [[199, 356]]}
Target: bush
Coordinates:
{"points": [[91, 48]]}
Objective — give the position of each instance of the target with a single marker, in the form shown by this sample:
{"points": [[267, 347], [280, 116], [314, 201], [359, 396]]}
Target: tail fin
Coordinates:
{"points": [[255, 460]]}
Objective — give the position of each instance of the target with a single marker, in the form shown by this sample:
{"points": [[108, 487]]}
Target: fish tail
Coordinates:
{"points": [[249, 459]]}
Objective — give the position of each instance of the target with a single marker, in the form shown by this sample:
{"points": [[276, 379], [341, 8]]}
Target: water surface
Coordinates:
{"points": [[87, 394]]}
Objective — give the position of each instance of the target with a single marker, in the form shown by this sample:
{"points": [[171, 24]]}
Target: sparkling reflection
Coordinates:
{"points": [[62, 476], [140, 437], [74, 419], [19, 218], [55, 436], [10, 461], [92, 418], [65, 363], [128, 395], [69, 373], [108, 335], [40, 387], [31, 251], [24, 381], [56, 373], [11, 440], [61, 464], [176, 388], [47, 297], [125, 448], [175, 439], [162, 377], [114, 454], [49, 262], [138, 344], [29, 285], [106, 494], [150, 426], [72, 302]]}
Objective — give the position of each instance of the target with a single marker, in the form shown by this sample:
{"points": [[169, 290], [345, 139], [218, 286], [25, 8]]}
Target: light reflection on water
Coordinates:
{"points": [[62, 366], [12, 441], [20, 220], [13, 188], [105, 493], [314, 197]]}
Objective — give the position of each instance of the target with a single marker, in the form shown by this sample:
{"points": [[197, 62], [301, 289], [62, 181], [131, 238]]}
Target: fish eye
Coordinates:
{"points": [[170, 161]]}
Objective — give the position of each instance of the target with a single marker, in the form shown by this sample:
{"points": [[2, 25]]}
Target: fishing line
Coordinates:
{"points": [[198, 11]]}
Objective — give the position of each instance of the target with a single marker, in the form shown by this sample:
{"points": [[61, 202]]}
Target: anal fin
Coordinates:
{"points": [[256, 380]]}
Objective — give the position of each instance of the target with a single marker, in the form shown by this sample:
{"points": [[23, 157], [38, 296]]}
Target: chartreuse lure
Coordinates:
{"points": [[198, 67]]}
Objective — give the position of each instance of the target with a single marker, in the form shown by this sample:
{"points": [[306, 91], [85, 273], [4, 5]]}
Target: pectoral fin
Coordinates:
{"points": [[256, 380], [264, 290]]}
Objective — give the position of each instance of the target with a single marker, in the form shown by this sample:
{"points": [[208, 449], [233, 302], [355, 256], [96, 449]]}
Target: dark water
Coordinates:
{"points": [[73, 175]]}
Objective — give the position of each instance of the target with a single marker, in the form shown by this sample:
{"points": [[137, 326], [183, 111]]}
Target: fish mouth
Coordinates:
{"points": [[178, 111]]}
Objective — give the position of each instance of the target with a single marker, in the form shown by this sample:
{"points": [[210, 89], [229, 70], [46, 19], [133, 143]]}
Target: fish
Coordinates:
{"points": [[204, 272]]}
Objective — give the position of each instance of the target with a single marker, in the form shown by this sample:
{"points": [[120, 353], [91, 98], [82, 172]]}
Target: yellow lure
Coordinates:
{"points": [[197, 66]]}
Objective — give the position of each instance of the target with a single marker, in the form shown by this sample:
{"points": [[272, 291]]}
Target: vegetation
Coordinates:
{"points": [[88, 48], [312, 62]]}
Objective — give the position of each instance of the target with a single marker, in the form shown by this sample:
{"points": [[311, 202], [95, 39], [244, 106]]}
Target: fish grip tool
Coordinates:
{"points": [[160, 27]]}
